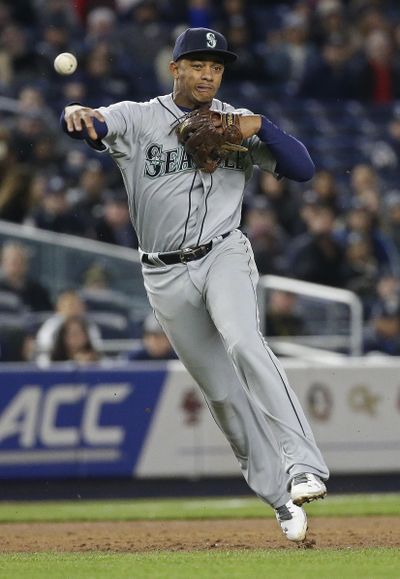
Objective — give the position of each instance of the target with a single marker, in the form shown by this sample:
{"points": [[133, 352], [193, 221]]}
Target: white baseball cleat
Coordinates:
{"points": [[293, 521], [306, 487]]}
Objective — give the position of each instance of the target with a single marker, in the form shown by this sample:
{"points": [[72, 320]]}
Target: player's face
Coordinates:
{"points": [[196, 81]]}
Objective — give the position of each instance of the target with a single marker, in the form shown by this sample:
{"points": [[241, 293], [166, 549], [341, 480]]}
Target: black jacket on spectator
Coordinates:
{"points": [[326, 83], [364, 82], [33, 295], [318, 259], [65, 223], [125, 236]]}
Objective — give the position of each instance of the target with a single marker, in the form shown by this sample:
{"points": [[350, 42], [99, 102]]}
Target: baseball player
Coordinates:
{"points": [[199, 269]]}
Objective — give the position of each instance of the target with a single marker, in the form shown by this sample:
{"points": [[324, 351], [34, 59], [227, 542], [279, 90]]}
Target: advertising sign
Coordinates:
{"points": [[69, 423]]}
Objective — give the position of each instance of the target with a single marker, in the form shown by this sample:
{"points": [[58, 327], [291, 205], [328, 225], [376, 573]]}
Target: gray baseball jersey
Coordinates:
{"points": [[208, 307], [171, 204]]}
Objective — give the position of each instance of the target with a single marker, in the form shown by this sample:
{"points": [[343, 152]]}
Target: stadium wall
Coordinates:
{"points": [[146, 421]]}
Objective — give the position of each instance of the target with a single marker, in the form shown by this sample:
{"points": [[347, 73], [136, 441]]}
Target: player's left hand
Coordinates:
{"points": [[249, 125], [209, 136]]}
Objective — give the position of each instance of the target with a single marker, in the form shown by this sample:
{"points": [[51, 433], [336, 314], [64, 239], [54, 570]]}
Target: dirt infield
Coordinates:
{"points": [[141, 536]]}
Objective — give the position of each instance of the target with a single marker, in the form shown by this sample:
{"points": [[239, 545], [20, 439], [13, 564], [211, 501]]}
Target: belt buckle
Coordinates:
{"points": [[186, 254]]}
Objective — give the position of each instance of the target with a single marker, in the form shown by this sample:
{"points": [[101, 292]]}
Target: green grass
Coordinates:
{"points": [[167, 509], [299, 564], [290, 563]]}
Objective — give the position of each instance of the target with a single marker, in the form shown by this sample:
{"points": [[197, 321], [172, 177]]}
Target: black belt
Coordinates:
{"points": [[182, 255]]}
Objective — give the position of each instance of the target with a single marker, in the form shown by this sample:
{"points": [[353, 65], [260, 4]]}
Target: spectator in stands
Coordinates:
{"points": [[387, 295], [21, 62], [55, 38], [29, 127], [288, 61], [15, 182], [15, 278], [282, 200], [391, 217], [37, 191], [96, 277], [324, 190], [105, 81], [79, 10], [73, 90], [88, 197], [73, 342], [236, 26], [5, 14], [68, 305], [235, 22], [383, 332], [248, 65], [360, 220], [369, 198], [366, 186], [333, 65], [59, 10], [115, 225], [75, 163], [363, 177], [54, 212], [330, 25], [267, 236], [317, 256], [361, 270], [369, 18], [31, 98], [98, 293], [282, 318], [147, 30], [377, 74], [17, 343], [393, 137], [199, 13], [45, 155], [234, 13], [155, 344], [163, 59], [101, 26], [144, 33]]}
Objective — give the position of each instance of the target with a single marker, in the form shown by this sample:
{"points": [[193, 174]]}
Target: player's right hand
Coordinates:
{"points": [[77, 117]]}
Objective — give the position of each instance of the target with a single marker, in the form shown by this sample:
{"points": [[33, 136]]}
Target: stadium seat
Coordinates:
{"points": [[112, 326], [10, 302], [106, 300]]}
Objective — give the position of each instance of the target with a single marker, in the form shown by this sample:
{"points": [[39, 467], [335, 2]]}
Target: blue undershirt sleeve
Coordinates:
{"points": [[292, 158]]}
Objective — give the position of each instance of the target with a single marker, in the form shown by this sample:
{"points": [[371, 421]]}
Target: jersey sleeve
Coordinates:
{"points": [[124, 121], [259, 153]]}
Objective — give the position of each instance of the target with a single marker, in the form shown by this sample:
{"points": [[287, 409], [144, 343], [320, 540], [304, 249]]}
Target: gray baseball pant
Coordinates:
{"points": [[208, 309]]}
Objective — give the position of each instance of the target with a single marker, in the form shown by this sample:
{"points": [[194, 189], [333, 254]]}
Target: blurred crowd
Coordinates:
{"points": [[342, 229]]}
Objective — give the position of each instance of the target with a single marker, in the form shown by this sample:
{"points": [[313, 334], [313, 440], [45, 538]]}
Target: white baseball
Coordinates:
{"points": [[65, 63]]}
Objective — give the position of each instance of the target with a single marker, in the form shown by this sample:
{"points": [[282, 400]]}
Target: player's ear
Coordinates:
{"points": [[173, 68]]}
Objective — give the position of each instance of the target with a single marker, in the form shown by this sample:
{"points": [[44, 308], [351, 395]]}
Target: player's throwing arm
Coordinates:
{"points": [[79, 118]]}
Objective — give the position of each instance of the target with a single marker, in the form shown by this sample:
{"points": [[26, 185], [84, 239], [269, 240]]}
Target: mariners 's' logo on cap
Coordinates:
{"points": [[211, 40]]}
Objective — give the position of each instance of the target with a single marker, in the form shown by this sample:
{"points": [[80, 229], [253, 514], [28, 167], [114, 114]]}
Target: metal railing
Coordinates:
{"points": [[353, 341], [59, 261]]}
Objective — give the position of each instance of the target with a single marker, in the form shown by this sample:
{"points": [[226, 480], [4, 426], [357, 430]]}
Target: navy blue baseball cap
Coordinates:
{"points": [[202, 40]]}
